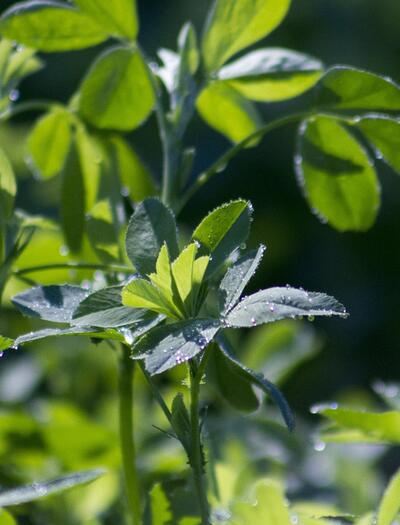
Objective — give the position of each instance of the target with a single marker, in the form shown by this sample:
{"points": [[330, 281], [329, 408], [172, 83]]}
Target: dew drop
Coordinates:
{"points": [[311, 318], [64, 251], [319, 446], [14, 95]]}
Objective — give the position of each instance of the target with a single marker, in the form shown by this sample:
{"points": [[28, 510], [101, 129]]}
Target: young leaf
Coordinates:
{"points": [[140, 293], [384, 135], [92, 333], [356, 91], [8, 187], [390, 503], [180, 422], [49, 142], [73, 200], [182, 270], [273, 304], [104, 309], [337, 176], [5, 343], [249, 21], [118, 17], [117, 93], [228, 112], [20, 64], [171, 345], [272, 74], [50, 303], [237, 277], [259, 381], [150, 226], [222, 231], [40, 490], [270, 507], [48, 25]]}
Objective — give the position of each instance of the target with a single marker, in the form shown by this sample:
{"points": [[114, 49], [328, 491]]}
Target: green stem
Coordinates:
{"points": [[32, 105], [156, 392], [196, 457], [111, 268], [132, 488], [220, 164]]}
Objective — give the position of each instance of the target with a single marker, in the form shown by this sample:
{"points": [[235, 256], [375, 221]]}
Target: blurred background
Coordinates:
{"points": [[361, 270]]}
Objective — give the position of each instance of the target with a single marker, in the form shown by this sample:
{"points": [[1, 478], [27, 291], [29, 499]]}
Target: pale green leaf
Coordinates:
{"points": [[50, 303], [164, 281], [338, 178], [6, 518], [171, 345], [367, 519], [150, 226], [273, 304], [248, 20], [182, 270], [272, 74], [21, 63], [101, 232], [117, 93], [140, 293], [49, 143], [390, 503], [117, 17], [8, 187], [50, 26], [5, 343], [38, 490], [91, 157], [228, 112]]}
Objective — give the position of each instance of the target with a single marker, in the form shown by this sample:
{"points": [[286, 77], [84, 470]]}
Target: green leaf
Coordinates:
{"points": [[354, 90], [118, 18], [159, 507], [367, 519], [272, 74], [259, 381], [101, 232], [5, 343], [117, 93], [91, 157], [187, 44], [134, 175], [228, 112], [223, 231], [104, 309], [49, 143], [6, 518], [269, 508], [384, 135], [50, 303], [150, 226], [237, 278], [50, 26], [8, 187], [273, 304], [172, 503], [40, 490], [73, 200], [20, 63], [249, 21], [171, 345], [180, 422], [92, 333], [140, 293], [390, 503], [337, 176], [374, 427]]}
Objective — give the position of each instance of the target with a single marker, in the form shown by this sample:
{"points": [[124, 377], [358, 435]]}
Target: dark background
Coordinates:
{"points": [[361, 270]]}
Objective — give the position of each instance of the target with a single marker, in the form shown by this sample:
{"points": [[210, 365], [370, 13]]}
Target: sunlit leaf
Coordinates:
{"points": [[272, 74], [49, 143], [117, 93], [6, 518], [150, 226], [91, 157], [228, 112], [390, 503], [140, 293], [49, 25], [249, 21], [273, 304], [337, 176], [50, 303], [5, 342], [101, 232]]}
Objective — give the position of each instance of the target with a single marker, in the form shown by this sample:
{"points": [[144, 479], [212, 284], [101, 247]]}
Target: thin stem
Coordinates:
{"points": [[132, 488], [32, 105], [111, 268], [156, 392], [220, 164]]}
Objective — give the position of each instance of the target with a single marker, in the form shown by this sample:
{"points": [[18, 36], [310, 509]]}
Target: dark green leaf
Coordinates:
{"points": [[272, 74], [8, 187], [337, 176], [273, 304], [223, 231], [354, 90], [92, 333], [228, 112], [237, 278], [118, 17], [180, 422], [150, 226], [384, 135], [73, 200], [50, 26], [249, 21], [117, 93], [39, 490], [49, 143], [171, 345], [389, 506], [104, 309], [259, 381], [50, 303]]}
